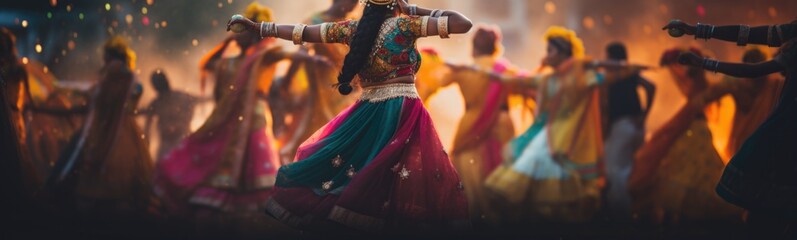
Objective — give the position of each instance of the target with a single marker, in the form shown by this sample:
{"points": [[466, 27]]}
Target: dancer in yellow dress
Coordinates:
{"points": [[555, 176], [485, 127]]}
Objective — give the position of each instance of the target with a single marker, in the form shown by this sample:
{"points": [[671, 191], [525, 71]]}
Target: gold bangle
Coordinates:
{"points": [[298, 34], [744, 35], [425, 26], [324, 32], [442, 27]]}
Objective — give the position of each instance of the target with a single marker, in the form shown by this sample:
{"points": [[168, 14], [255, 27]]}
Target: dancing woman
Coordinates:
{"points": [[485, 127], [554, 175], [755, 99], [17, 96], [762, 176], [674, 173], [379, 164], [107, 166], [229, 164]]}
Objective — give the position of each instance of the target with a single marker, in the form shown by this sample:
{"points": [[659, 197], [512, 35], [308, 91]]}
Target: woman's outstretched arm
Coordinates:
{"points": [[739, 70], [772, 35], [310, 33], [456, 22]]}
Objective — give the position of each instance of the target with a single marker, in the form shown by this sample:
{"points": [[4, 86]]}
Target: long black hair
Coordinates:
{"points": [[362, 44]]}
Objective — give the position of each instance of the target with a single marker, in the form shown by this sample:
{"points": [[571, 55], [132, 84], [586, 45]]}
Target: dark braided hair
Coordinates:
{"points": [[362, 44]]}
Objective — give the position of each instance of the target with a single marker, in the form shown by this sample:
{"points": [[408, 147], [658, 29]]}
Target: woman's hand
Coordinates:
{"points": [[239, 24], [690, 59], [677, 28]]}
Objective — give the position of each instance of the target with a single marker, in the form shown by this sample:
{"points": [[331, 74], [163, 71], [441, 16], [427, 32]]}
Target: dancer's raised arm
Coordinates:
{"points": [[772, 35], [740, 70], [426, 22]]}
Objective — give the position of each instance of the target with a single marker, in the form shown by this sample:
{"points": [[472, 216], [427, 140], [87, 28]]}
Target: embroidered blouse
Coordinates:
{"points": [[394, 53]]}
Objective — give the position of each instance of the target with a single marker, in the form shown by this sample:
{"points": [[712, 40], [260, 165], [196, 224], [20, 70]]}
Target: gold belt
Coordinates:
{"points": [[386, 92]]}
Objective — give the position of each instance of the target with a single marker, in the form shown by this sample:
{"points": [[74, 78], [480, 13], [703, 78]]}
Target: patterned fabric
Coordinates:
{"points": [[394, 54]]}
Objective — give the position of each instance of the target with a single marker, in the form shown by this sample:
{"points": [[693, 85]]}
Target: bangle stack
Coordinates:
{"points": [[704, 31], [268, 29], [442, 27], [711, 64], [425, 26], [413, 9], [298, 34], [437, 13], [744, 35]]}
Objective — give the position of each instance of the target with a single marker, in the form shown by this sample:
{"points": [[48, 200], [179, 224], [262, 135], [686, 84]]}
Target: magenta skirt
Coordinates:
{"points": [[378, 166], [193, 174]]}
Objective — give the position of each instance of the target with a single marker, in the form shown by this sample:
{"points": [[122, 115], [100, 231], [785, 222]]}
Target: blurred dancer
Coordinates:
{"points": [[52, 123], [17, 96], [485, 128], [18, 173], [755, 99], [305, 99], [626, 121], [555, 175], [107, 166], [430, 75], [675, 172], [230, 163], [762, 176], [174, 110], [379, 164]]}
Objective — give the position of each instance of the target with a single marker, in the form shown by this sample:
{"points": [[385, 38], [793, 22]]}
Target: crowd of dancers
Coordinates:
{"points": [[366, 154]]}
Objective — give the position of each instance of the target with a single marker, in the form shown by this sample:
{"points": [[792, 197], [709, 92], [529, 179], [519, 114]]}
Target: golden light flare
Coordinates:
{"points": [[773, 12], [107, 7], [550, 7], [25, 60], [24, 23], [195, 42], [588, 22], [664, 9], [150, 2], [38, 48], [129, 19], [647, 29], [53, 2], [608, 19], [144, 10]]}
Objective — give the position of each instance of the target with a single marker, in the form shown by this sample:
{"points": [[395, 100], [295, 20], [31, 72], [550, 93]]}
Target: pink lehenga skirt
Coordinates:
{"points": [[379, 165], [195, 174]]}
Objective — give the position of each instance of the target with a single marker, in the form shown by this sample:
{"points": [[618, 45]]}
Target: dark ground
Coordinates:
{"points": [[44, 223]]}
